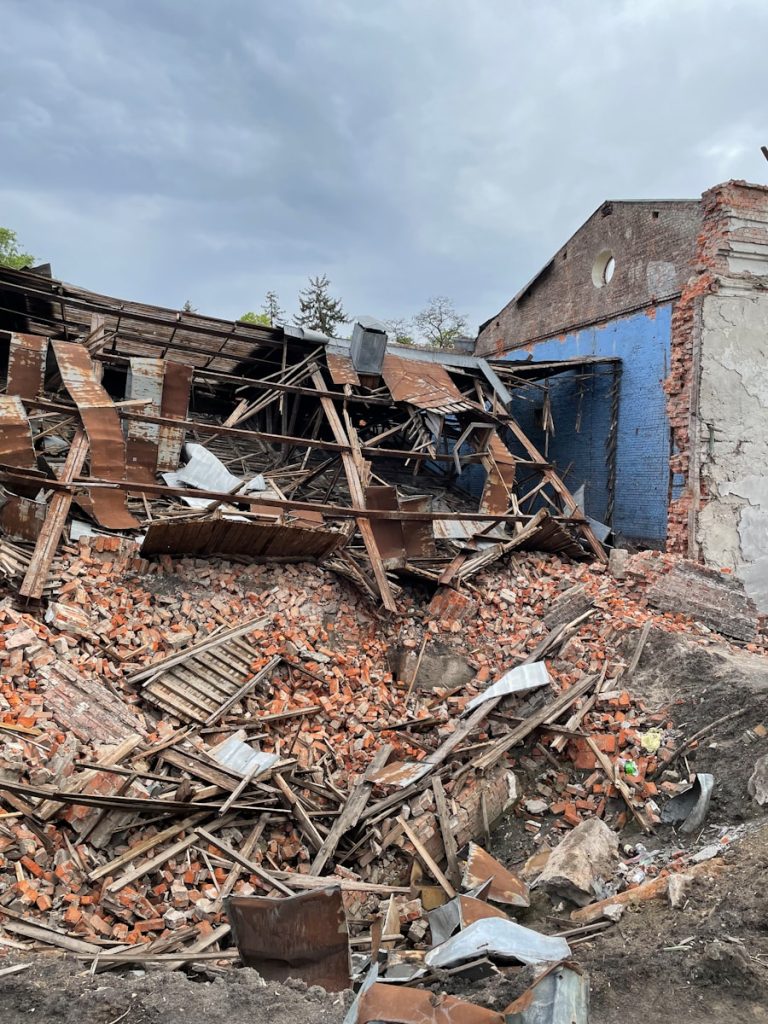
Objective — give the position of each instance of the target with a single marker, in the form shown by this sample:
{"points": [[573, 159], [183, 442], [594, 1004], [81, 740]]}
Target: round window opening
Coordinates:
{"points": [[603, 269]]}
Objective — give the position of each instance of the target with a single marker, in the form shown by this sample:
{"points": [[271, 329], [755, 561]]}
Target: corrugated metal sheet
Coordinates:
{"points": [[425, 385], [238, 537], [341, 369], [177, 385], [26, 364], [552, 536], [16, 448], [501, 465], [303, 936], [21, 518], [240, 757], [145, 381], [102, 424]]}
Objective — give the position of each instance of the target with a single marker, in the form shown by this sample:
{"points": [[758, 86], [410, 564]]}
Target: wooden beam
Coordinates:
{"points": [[35, 578], [356, 492]]}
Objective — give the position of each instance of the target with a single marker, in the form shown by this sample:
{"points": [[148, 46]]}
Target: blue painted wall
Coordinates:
{"points": [[642, 342]]}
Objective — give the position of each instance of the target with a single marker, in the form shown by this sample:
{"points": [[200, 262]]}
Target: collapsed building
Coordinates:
{"points": [[659, 307], [287, 623], [396, 461]]}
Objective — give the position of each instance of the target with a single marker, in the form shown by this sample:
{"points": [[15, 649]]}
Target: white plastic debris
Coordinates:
{"points": [[518, 680]]}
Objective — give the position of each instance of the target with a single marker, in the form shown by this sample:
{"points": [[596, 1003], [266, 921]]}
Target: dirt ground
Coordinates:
{"points": [[706, 961], [61, 990]]}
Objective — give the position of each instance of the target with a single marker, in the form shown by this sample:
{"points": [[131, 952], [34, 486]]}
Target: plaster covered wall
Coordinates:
{"points": [[733, 427]]}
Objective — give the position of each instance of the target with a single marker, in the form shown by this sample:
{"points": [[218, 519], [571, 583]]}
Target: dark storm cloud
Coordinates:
{"points": [[165, 150]]}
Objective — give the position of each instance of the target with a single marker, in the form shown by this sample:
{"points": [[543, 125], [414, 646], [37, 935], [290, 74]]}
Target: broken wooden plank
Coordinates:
{"points": [[36, 576], [304, 821], [249, 865], [350, 814], [356, 491], [426, 859], [620, 784], [247, 686], [449, 840]]}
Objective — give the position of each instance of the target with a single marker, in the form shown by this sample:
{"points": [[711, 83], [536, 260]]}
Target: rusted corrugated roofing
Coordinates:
{"points": [[102, 425], [425, 385], [231, 536], [16, 447], [26, 365]]}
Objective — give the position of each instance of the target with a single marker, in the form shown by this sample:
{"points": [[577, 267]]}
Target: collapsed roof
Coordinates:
{"points": [[209, 436]]}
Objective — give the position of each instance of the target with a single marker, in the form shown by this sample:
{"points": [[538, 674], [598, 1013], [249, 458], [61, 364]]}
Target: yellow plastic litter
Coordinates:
{"points": [[651, 740]]}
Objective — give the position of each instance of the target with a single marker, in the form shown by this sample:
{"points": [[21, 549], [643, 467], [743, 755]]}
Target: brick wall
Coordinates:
{"points": [[725, 208], [652, 244], [641, 341]]}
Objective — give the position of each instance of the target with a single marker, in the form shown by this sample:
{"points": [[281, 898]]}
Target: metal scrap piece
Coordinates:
{"points": [[394, 1004], [460, 912], [102, 424], [522, 679], [505, 940], [16, 447], [425, 385], [26, 365], [505, 887], [177, 386], [303, 936], [561, 996], [690, 807]]}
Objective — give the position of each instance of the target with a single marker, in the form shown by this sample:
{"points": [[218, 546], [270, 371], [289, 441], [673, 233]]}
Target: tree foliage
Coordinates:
{"points": [[439, 323], [188, 307], [400, 331], [317, 310], [271, 309], [10, 253], [255, 318]]}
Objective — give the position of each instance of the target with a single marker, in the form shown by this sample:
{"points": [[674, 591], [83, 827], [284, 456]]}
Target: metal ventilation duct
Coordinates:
{"points": [[369, 343]]}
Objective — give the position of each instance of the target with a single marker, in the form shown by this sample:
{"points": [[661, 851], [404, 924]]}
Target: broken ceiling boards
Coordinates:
{"points": [[197, 682]]}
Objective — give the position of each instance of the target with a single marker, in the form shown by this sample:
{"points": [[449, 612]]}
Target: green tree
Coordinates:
{"points": [[317, 310], [271, 309], [439, 323], [400, 331], [10, 254], [255, 318], [188, 307]]}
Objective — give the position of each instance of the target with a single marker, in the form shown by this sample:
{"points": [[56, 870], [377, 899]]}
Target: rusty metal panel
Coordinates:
{"points": [[238, 537], [26, 365], [501, 465], [22, 518], [399, 1004], [554, 537], [419, 537], [145, 381], [303, 936], [16, 447], [177, 385], [506, 887], [341, 369], [102, 424], [425, 385], [388, 533]]}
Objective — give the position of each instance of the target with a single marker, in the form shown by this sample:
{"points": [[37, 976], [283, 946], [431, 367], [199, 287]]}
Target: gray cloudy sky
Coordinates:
{"points": [[168, 149]]}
